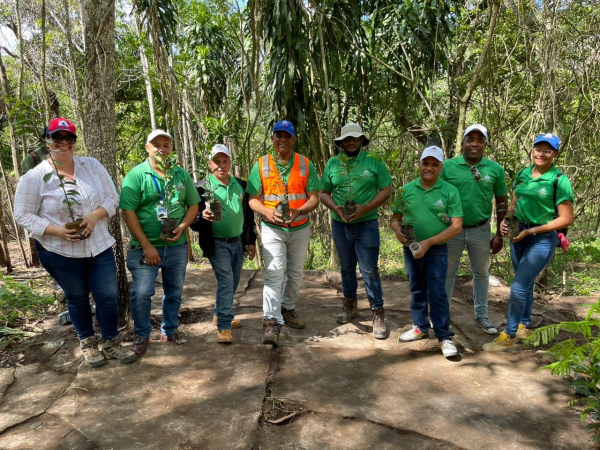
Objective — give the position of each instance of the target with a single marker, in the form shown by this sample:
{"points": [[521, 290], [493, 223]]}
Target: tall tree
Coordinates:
{"points": [[99, 38]]}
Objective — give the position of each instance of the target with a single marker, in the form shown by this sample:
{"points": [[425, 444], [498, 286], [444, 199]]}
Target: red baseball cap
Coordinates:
{"points": [[61, 124]]}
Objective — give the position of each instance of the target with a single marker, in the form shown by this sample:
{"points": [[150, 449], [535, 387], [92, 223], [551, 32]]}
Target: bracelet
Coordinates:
{"points": [[533, 233]]}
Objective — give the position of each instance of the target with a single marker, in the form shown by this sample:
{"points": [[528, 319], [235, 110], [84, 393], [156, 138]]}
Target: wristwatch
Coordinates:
{"points": [[533, 233]]}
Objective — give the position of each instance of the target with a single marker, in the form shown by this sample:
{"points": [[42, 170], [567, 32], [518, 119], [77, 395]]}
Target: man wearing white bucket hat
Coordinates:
{"points": [[433, 207], [353, 186], [478, 181]]}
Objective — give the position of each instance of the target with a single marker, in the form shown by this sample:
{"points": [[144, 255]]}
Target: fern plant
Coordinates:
{"points": [[580, 355]]}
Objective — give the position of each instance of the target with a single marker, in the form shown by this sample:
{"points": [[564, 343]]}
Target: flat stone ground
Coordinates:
{"points": [[325, 387]]}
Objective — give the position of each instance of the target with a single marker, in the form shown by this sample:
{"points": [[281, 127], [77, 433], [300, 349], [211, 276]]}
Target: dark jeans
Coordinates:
{"points": [[427, 281], [529, 257], [226, 261], [80, 276], [359, 243]]}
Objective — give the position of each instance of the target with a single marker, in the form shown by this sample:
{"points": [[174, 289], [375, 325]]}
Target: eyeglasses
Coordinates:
{"points": [[547, 152], [475, 172], [68, 138]]}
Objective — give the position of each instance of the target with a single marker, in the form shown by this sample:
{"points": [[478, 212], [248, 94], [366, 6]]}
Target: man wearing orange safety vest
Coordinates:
{"points": [[283, 189]]}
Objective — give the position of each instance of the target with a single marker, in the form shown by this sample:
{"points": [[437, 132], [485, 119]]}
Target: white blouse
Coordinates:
{"points": [[39, 204]]}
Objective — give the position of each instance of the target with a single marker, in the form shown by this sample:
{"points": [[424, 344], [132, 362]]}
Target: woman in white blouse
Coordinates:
{"points": [[79, 265]]}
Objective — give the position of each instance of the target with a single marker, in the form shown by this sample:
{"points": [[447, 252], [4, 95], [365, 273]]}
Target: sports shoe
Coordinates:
{"points": [[501, 344], [349, 311], [235, 323], [112, 350], [179, 337], [379, 329], [448, 348], [486, 325], [414, 334], [271, 330], [224, 337], [523, 332], [290, 317], [93, 356]]}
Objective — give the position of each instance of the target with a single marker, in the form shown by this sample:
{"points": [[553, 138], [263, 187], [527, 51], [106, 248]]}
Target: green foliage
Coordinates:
{"points": [[166, 165], [579, 355], [18, 300], [346, 166], [69, 189], [403, 206]]}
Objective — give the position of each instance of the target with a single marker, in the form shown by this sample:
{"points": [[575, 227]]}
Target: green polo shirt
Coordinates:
{"points": [[313, 183], [231, 197], [426, 209], [476, 196], [139, 194], [368, 175], [28, 162], [535, 197]]}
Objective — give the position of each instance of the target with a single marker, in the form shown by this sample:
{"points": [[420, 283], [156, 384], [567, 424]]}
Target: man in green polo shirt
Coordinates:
{"points": [[38, 155], [224, 241], [478, 181], [143, 205], [433, 207], [359, 176], [283, 175]]}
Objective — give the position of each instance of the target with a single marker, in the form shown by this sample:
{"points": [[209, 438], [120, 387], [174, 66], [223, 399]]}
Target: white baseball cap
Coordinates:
{"points": [[476, 127], [219, 148], [156, 133], [434, 151]]}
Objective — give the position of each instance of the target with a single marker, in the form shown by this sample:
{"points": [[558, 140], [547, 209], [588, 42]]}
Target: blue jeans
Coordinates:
{"points": [[226, 262], [80, 276], [477, 241], [359, 243], [529, 257], [173, 261], [426, 281]]}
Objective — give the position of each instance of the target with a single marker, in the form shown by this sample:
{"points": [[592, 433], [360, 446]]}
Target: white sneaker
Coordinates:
{"points": [[448, 349], [413, 334]]}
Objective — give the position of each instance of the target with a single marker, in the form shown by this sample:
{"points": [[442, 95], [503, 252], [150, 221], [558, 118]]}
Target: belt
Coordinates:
{"points": [[483, 222], [233, 239], [526, 225]]}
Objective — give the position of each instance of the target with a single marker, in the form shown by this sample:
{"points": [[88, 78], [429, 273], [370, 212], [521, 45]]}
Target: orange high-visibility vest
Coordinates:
{"points": [[273, 187]]}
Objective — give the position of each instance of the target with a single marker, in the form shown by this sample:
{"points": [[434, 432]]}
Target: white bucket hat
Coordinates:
{"points": [[352, 130]]}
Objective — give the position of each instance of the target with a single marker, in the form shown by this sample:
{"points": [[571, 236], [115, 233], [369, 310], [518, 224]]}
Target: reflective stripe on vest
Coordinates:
{"points": [[278, 198]]}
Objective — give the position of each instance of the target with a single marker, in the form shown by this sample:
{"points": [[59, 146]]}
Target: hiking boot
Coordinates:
{"points": [[140, 345], [486, 325], [290, 317], [349, 311], [414, 334], [448, 348], [523, 332], [271, 330], [235, 323], [224, 337], [178, 338], [379, 329], [93, 356], [112, 350], [501, 344]]}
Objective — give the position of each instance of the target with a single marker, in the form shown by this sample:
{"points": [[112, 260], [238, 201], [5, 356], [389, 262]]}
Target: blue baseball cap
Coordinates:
{"points": [[550, 138], [284, 125]]}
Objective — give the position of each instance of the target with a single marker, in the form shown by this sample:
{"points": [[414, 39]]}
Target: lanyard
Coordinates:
{"points": [[161, 194]]}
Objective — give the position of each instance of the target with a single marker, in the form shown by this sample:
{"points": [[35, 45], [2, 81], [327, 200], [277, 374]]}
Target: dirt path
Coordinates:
{"points": [[325, 387]]}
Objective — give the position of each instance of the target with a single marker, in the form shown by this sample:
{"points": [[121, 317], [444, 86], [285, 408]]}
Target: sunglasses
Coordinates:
{"points": [[68, 138], [475, 173]]}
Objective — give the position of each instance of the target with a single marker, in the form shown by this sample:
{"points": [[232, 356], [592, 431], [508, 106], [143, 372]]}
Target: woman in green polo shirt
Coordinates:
{"points": [[541, 211]]}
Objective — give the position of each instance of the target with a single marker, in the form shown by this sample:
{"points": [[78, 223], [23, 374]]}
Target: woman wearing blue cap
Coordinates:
{"points": [[544, 204]]}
